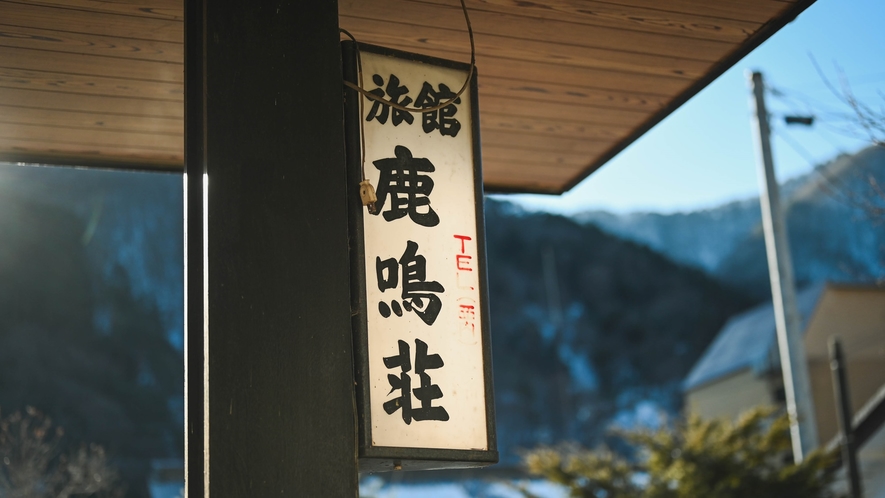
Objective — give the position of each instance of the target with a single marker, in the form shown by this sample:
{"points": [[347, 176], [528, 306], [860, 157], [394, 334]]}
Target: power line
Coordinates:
{"points": [[802, 151], [828, 139]]}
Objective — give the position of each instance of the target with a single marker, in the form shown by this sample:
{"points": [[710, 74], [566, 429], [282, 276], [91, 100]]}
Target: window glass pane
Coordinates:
{"points": [[91, 328]]}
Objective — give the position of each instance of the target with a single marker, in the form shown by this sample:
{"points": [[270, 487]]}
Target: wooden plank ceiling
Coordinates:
{"points": [[564, 84]]}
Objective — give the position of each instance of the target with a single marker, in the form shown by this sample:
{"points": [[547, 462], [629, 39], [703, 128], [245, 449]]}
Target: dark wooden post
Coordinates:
{"points": [[844, 415], [271, 413]]}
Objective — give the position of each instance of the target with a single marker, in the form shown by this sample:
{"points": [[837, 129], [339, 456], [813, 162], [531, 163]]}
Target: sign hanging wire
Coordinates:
{"points": [[359, 88], [367, 192]]}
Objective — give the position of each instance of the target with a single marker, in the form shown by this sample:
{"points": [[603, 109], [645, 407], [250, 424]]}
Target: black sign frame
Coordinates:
{"points": [[385, 458]]}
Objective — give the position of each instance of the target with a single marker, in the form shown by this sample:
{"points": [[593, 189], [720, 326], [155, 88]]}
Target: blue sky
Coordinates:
{"points": [[704, 154]]}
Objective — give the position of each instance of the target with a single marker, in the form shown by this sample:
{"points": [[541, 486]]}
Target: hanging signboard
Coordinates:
{"points": [[423, 355]]}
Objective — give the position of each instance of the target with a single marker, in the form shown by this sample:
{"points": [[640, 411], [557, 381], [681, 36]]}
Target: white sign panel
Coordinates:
{"points": [[423, 262]]}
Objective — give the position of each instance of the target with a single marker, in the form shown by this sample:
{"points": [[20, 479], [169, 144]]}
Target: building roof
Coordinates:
{"points": [[564, 85], [748, 340]]}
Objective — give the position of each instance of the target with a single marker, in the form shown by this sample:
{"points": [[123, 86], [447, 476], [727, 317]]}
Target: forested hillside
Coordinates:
{"points": [[588, 329], [835, 221]]}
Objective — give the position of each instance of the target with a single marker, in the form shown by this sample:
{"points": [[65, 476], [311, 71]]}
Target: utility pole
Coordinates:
{"points": [[797, 386]]}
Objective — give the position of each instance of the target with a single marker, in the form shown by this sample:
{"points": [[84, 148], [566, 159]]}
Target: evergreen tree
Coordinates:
{"points": [[697, 458]]}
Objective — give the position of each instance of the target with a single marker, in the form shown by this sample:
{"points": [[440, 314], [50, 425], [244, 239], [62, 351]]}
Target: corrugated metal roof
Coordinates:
{"points": [[748, 340]]}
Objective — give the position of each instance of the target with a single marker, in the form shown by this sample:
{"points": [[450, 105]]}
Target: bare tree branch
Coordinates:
{"points": [[33, 465], [871, 121]]}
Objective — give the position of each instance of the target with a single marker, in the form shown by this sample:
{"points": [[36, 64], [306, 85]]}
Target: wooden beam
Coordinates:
{"points": [[416, 18], [66, 86], [78, 43], [548, 143], [90, 137], [91, 122], [552, 162], [91, 65], [430, 40], [689, 24], [111, 156], [96, 23], [518, 89], [560, 111], [171, 10], [119, 106], [747, 10], [550, 127]]}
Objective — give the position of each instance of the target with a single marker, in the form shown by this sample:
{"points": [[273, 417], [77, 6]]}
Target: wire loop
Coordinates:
{"points": [[417, 110], [367, 192]]}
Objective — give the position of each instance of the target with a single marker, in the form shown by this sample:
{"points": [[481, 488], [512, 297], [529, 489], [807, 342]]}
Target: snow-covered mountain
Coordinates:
{"points": [[835, 218], [702, 239]]}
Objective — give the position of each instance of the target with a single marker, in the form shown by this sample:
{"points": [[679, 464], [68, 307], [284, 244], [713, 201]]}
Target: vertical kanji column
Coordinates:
{"points": [[269, 361]]}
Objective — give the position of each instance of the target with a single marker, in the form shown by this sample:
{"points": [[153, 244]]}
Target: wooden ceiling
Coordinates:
{"points": [[564, 84], [91, 82]]}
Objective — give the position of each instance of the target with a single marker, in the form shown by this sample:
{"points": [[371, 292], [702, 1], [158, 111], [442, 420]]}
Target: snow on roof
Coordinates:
{"points": [[748, 340]]}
